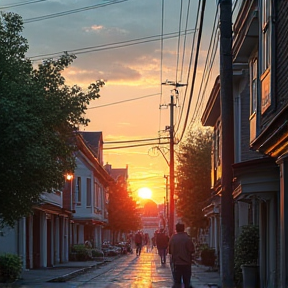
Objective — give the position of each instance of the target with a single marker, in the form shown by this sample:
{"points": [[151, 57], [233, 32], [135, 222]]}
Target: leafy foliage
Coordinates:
{"points": [[10, 267], [194, 178], [39, 115], [246, 249], [123, 213]]}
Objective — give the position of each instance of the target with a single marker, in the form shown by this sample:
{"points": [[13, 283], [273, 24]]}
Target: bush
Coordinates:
{"points": [[10, 267], [79, 252], [208, 256], [246, 250], [97, 253]]}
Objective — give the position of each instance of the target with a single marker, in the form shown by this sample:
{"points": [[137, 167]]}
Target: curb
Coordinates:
{"points": [[73, 274]]}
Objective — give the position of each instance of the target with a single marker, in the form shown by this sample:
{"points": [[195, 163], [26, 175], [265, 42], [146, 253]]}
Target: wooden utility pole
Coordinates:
{"points": [[227, 140], [172, 180]]}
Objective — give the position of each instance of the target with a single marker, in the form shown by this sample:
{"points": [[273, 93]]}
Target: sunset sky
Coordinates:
{"points": [[120, 41]]}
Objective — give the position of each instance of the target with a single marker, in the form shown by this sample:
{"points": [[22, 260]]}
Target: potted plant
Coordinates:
{"points": [[246, 257], [208, 256]]}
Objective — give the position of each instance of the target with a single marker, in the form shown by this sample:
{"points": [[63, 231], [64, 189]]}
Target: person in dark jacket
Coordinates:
{"points": [[138, 242], [162, 241], [181, 249]]}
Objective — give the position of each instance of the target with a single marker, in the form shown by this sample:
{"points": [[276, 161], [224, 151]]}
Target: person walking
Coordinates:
{"points": [[181, 249], [162, 241], [138, 242]]}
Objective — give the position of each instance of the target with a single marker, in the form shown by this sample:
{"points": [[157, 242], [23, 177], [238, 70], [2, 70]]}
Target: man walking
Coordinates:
{"points": [[162, 244], [138, 242], [181, 249]]}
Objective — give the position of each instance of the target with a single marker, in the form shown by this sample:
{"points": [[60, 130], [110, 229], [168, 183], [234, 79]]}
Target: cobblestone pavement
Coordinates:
{"points": [[125, 271]]}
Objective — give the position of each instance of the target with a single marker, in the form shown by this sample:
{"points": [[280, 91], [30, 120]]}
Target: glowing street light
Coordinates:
{"points": [[70, 177]]}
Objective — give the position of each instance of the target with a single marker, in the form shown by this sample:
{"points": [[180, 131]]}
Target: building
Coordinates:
{"points": [[260, 133], [90, 191]]}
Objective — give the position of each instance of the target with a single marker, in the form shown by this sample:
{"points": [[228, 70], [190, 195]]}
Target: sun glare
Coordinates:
{"points": [[145, 193]]}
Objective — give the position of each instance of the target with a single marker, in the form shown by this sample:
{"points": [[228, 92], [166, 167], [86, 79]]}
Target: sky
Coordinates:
{"points": [[134, 46]]}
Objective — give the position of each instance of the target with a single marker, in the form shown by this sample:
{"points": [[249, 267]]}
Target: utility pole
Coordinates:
{"points": [[172, 181], [171, 163], [167, 201], [227, 140]]}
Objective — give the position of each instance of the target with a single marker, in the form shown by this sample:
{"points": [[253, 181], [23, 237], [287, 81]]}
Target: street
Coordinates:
{"points": [[124, 271], [128, 271]]}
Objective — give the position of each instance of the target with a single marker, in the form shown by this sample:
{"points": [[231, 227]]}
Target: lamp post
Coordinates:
{"points": [[69, 177]]}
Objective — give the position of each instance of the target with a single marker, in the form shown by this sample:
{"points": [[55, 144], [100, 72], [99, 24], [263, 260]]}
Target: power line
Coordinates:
{"points": [[195, 67], [211, 53], [22, 4], [108, 46], [132, 146], [119, 102], [189, 69], [73, 11], [130, 141]]}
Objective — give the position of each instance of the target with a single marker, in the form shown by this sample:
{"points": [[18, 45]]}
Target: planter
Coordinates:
{"points": [[250, 276]]}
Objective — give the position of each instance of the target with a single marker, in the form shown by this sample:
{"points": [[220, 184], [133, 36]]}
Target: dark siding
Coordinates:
{"points": [[282, 54]]}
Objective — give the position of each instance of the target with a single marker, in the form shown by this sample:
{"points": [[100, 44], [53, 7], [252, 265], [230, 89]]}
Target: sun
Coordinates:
{"points": [[145, 193]]}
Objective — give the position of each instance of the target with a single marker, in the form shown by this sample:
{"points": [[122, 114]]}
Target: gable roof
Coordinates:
{"points": [[94, 140]]}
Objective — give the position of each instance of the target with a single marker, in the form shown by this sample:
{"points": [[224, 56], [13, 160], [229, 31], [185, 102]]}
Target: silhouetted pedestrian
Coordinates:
{"points": [[138, 242], [162, 241], [181, 249]]}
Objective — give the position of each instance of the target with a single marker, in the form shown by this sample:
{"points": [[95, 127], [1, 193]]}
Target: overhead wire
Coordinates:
{"points": [[72, 11], [195, 68], [123, 101], [210, 57], [161, 62], [178, 45], [21, 4], [189, 67], [132, 146], [184, 40], [131, 141], [189, 70], [109, 46]]}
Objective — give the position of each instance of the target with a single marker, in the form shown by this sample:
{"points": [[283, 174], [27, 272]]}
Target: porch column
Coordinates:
{"points": [[66, 239], [30, 233], [62, 233], [52, 240], [43, 240], [22, 240], [57, 240], [283, 165]]}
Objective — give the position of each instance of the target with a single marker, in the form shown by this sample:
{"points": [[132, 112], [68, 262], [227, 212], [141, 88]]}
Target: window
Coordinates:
{"points": [[88, 193], [253, 95], [266, 55], [266, 34], [78, 189]]}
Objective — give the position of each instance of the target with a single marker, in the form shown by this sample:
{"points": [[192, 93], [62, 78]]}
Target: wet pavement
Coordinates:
{"points": [[125, 271]]}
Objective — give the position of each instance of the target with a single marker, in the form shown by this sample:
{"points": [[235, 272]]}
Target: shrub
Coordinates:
{"points": [[10, 267], [246, 250], [208, 256], [80, 252], [97, 253]]}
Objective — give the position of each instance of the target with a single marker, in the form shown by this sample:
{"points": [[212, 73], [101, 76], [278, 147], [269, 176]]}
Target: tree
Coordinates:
{"points": [[123, 213], [193, 175], [39, 118]]}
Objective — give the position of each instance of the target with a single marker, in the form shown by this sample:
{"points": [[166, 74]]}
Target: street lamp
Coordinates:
{"points": [[69, 177]]}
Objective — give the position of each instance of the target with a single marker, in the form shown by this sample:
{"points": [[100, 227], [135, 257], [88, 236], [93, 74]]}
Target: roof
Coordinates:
{"points": [[94, 140], [115, 173]]}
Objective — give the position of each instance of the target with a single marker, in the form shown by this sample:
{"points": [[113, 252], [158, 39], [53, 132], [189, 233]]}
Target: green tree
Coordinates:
{"points": [[194, 178], [39, 117], [123, 213]]}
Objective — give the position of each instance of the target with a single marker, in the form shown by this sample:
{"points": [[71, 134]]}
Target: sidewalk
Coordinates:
{"points": [[201, 276]]}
